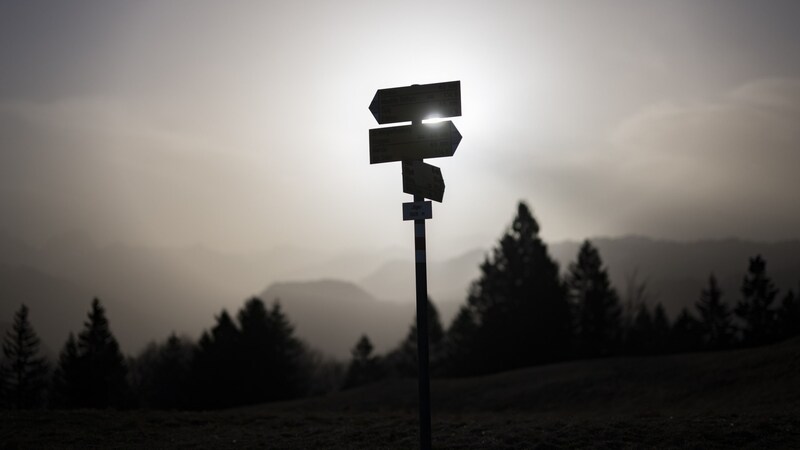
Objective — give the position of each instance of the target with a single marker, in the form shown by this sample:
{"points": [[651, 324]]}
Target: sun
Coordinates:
{"points": [[434, 118]]}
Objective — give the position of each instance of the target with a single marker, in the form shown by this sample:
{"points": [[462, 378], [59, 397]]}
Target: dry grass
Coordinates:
{"points": [[737, 399]]}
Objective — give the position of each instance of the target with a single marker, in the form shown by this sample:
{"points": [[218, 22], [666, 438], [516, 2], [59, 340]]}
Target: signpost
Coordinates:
{"points": [[417, 102], [423, 179], [416, 141], [411, 144]]}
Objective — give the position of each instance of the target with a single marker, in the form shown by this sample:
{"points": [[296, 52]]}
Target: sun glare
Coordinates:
{"points": [[435, 120]]}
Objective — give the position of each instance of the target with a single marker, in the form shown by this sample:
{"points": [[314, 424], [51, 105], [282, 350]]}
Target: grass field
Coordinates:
{"points": [[736, 399]]}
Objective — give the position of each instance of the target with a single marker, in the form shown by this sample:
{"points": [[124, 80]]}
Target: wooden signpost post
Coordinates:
{"points": [[411, 144]]}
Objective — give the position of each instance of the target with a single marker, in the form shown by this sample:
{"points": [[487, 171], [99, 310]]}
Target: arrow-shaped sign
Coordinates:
{"points": [[417, 102], [413, 142], [423, 179]]}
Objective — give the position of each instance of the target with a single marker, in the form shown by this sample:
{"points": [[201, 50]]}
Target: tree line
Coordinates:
{"points": [[253, 358], [520, 312]]}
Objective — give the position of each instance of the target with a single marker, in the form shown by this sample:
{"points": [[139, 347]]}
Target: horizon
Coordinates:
{"points": [[140, 284], [99, 244]]}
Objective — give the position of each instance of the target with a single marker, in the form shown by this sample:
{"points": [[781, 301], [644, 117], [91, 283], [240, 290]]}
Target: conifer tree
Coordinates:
{"points": [[595, 305], [364, 367], [3, 374], [715, 318], [519, 302], [686, 334], [104, 365], [661, 330], [274, 355], [259, 351], [459, 345], [755, 308], [290, 377], [260, 360], [789, 316], [639, 338], [403, 359], [217, 366], [68, 379], [91, 370], [24, 373], [161, 374]]}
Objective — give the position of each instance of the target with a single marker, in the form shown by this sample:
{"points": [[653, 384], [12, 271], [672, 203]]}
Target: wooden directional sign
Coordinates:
{"points": [[409, 142], [417, 102], [417, 211], [423, 179]]}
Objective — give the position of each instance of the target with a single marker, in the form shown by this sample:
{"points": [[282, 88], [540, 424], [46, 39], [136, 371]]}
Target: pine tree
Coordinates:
{"points": [[291, 379], [715, 318], [104, 364], [595, 305], [755, 308], [274, 355], [661, 331], [686, 334], [459, 345], [258, 350], [24, 373], [789, 316], [3, 375], [364, 367], [218, 365], [91, 372], [161, 374], [639, 338], [260, 360], [403, 360], [69, 379], [519, 302]]}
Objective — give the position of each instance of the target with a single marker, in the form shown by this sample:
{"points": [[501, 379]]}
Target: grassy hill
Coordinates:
{"points": [[761, 379], [737, 399]]}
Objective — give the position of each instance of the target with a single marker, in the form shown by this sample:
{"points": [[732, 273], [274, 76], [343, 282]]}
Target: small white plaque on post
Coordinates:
{"points": [[417, 210]]}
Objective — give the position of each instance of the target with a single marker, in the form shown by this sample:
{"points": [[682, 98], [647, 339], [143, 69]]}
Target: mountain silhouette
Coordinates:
{"points": [[153, 291], [331, 315]]}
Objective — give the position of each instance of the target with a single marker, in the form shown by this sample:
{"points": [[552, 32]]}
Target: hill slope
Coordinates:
{"points": [[753, 380], [738, 399]]}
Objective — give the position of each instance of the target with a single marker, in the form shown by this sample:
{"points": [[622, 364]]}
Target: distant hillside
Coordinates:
{"points": [[448, 281], [332, 315]]}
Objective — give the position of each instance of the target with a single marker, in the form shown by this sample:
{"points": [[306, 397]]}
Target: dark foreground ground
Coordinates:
{"points": [[737, 399], [92, 429]]}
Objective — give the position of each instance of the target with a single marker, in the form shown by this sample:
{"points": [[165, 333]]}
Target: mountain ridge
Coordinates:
{"points": [[182, 289]]}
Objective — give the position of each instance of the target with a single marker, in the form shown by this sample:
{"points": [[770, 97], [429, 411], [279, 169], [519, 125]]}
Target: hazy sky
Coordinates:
{"points": [[244, 125]]}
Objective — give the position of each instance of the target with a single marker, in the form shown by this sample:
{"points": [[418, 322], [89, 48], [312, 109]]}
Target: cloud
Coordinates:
{"points": [[724, 165], [121, 169]]}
